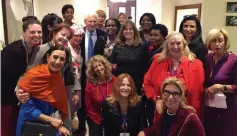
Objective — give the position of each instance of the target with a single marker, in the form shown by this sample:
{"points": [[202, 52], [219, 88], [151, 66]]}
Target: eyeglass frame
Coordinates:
{"points": [[174, 94]]}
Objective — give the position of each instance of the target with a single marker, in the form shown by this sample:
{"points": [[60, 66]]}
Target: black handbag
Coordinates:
{"points": [[38, 129]]}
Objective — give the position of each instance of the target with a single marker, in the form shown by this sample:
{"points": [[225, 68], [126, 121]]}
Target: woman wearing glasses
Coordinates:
{"points": [[191, 28], [176, 61], [177, 118]]}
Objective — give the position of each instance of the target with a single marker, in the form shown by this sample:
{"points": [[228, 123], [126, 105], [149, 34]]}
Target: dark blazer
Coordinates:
{"points": [[13, 59], [186, 123], [98, 49], [113, 119]]}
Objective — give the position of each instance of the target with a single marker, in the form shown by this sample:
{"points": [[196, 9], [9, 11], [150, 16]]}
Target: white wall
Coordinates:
{"points": [[187, 2], [82, 7], [1, 24], [152, 6], [215, 18], [167, 15]]}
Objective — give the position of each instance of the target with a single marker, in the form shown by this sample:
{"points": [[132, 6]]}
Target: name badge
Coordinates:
{"points": [[124, 134]]}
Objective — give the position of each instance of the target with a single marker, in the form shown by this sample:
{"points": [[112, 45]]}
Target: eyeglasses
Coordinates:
{"points": [[167, 94], [192, 15]]}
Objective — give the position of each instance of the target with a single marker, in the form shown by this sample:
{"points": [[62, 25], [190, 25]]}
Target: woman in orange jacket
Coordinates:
{"points": [[176, 60]]}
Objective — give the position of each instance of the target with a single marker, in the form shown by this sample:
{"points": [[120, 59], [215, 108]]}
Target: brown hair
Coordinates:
{"points": [[58, 27], [133, 98], [120, 40]]}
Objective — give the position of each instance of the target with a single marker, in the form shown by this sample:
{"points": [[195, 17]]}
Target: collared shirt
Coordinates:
{"points": [[94, 38]]}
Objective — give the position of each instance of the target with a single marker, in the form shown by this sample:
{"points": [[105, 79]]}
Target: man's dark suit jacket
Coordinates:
{"points": [[98, 49]]}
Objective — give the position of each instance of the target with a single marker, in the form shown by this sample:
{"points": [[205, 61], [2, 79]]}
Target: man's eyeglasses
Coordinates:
{"points": [[167, 94]]}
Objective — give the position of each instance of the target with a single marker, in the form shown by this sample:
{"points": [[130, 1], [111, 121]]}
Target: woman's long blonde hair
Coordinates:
{"points": [[186, 52], [90, 73], [120, 39], [133, 98], [174, 81]]}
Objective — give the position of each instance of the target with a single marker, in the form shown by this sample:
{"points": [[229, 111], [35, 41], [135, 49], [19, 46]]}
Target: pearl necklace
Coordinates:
{"points": [[171, 114]]}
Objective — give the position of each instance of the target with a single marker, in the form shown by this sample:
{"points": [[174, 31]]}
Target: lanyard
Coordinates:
{"points": [[124, 120], [101, 93]]}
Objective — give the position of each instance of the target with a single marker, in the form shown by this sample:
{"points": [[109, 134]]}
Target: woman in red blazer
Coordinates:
{"points": [[98, 88], [177, 118], [176, 60]]}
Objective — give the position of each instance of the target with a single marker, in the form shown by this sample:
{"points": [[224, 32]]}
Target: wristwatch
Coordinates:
{"points": [[225, 88]]}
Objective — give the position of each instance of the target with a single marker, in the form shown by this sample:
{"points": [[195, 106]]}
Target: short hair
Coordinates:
{"points": [[117, 23], [51, 20], [120, 40], [93, 14], [151, 17], [133, 98], [197, 37], [175, 81], [29, 20], [186, 52], [101, 13], [59, 27], [90, 73], [215, 34], [163, 29], [120, 14], [54, 48], [65, 7]]}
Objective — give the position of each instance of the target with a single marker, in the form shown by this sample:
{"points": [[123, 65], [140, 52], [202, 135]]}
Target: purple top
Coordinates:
{"points": [[221, 122]]}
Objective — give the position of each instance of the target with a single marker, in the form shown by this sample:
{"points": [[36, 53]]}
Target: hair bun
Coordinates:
{"points": [[27, 18]]}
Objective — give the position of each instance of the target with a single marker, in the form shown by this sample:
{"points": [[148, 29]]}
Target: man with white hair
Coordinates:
{"points": [[89, 48]]}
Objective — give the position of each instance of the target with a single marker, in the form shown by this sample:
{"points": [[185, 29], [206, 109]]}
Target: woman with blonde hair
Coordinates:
{"points": [[221, 80], [128, 55], [177, 118], [176, 60], [101, 16], [122, 110], [98, 88], [122, 17]]}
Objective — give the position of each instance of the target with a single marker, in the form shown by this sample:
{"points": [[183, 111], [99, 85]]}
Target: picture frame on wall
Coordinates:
{"points": [[13, 12], [231, 7], [231, 20]]}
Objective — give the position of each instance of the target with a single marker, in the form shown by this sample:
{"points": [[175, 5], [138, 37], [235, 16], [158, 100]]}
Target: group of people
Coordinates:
{"points": [[118, 79]]}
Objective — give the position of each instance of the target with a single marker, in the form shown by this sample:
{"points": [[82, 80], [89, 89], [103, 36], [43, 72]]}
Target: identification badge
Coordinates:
{"points": [[124, 134]]}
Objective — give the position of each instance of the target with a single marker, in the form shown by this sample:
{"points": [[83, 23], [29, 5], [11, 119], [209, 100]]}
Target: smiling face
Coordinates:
{"points": [[68, 15], [56, 60], [33, 35], [61, 37], [172, 97], [218, 45], [76, 40], [111, 27], [125, 88], [122, 19], [146, 23], [189, 28], [128, 32], [98, 68], [175, 46], [91, 23]]}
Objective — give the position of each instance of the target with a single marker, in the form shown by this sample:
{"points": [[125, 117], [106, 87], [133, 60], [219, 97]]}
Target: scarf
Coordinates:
{"points": [[45, 86]]}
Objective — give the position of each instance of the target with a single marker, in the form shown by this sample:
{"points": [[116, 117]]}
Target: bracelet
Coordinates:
{"points": [[225, 88], [60, 125]]}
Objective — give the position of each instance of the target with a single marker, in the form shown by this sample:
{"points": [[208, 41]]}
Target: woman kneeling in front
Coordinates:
{"points": [[177, 118], [122, 111]]}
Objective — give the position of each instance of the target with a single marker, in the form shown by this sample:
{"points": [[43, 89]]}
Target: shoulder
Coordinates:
{"points": [[100, 32], [232, 57], [15, 46]]}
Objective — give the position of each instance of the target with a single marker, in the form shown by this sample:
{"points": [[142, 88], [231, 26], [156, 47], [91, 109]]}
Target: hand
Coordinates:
{"points": [[141, 133], [212, 90], [22, 96], [114, 66], [55, 122], [75, 99], [63, 131], [159, 105]]}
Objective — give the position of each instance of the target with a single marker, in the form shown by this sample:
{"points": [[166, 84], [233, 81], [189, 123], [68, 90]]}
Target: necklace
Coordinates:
{"points": [[171, 114]]}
